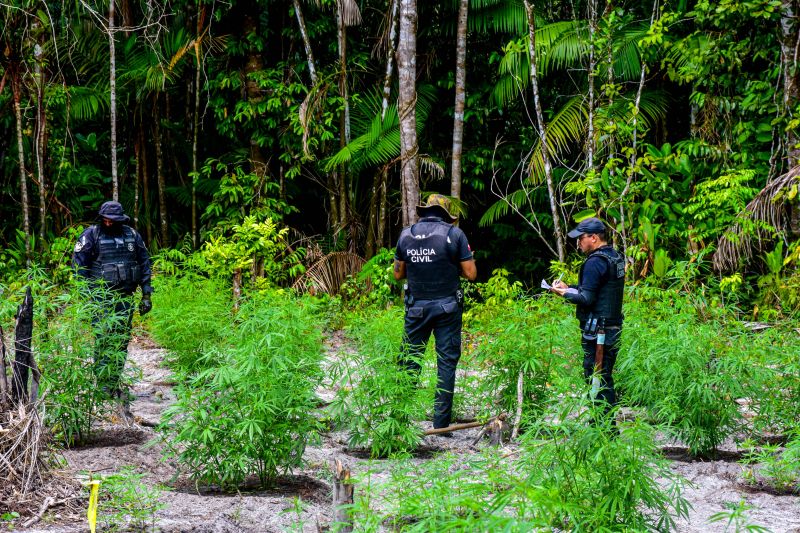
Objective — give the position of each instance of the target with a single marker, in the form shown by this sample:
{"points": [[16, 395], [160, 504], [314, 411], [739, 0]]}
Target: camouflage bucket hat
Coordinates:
{"points": [[113, 211], [436, 205]]}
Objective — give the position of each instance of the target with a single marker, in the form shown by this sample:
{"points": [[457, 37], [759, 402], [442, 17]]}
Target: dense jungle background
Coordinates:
{"points": [[270, 152]]}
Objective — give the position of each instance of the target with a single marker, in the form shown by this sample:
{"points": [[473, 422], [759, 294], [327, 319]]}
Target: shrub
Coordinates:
{"points": [[529, 336], [378, 400], [687, 373], [570, 476], [126, 503], [249, 411], [190, 317]]}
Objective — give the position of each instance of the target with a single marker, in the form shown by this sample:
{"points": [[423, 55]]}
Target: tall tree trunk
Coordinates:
{"points": [[406, 107], [634, 155], [383, 216], [148, 221], [112, 81], [137, 153], [162, 180], [16, 88], [40, 139], [591, 142], [394, 20], [196, 120], [790, 43], [542, 127], [253, 93], [458, 114], [312, 69], [344, 132]]}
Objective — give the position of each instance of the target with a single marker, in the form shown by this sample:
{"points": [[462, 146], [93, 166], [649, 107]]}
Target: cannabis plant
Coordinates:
{"points": [[686, 373], [379, 400], [249, 410]]}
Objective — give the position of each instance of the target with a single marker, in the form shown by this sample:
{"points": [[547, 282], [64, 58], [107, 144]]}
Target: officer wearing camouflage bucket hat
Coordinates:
{"points": [[598, 298], [432, 254], [113, 259]]}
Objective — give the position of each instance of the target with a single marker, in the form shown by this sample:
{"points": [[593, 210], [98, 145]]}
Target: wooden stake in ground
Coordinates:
{"points": [[343, 490], [23, 357]]}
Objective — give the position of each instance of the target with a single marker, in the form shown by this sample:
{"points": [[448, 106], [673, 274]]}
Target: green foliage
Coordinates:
{"points": [[717, 204], [257, 248], [735, 515], [375, 284], [190, 317], [126, 503], [378, 400], [526, 337], [774, 466], [249, 410], [569, 476], [687, 373]]}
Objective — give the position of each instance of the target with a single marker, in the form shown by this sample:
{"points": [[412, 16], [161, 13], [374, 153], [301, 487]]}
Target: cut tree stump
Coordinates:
{"points": [[343, 490]]}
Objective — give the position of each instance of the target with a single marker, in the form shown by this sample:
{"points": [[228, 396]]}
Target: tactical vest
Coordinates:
{"points": [[432, 272], [608, 304], [116, 263]]}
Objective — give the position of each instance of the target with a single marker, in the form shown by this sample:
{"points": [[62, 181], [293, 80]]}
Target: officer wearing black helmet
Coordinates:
{"points": [[432, 254], [598, 297], [113, 258]]}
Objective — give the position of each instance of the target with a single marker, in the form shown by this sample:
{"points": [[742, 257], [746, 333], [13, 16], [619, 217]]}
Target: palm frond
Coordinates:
{"points": [[351, 14], [329, 273], [502, 207], [501, 16], [85, 102], [766, 210]]}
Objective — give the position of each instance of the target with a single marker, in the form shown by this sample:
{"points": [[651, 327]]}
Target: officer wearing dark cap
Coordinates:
{"points": [[598, 297], [432, 254], [113, 258]]}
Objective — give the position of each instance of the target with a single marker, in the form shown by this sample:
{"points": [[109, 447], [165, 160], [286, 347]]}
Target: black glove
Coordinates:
{"points": [[145, 305]]}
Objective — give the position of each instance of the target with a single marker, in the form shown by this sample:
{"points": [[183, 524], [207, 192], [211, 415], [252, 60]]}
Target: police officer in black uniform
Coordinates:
{"points": [[113, 258], [432, 254], [598, 297]]}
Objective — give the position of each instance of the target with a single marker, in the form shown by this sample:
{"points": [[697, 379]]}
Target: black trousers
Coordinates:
{"points": [[441, 317], [112, 333], [607, 393]]}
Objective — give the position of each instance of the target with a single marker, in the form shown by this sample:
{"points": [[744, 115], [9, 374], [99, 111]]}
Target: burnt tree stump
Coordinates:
{"points": [[23, 356]]}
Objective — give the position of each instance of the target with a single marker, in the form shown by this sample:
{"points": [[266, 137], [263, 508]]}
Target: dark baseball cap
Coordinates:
{"points": [[113, 211], [590, 225]]}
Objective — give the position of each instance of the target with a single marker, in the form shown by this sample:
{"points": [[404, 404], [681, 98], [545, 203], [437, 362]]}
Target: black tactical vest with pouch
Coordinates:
{"points": [[116, 263], [608, 305], [431, 270]]}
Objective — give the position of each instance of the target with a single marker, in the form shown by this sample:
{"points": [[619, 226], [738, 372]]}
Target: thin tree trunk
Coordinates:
{"points": [[148, 222], [112, 80], [342, 38], [634, 155], [137, 153], [458, 114], [591, 142], [16, 86], [790, 42], [548, 169], [312, 69], [40, 140], [196, 122], [162, 180], [394, 21], [384, 209], [406, 106], [253, 94]]}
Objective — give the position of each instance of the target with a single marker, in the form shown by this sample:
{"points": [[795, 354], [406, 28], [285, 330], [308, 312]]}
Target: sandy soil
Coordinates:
{"points": [[301, 502]]}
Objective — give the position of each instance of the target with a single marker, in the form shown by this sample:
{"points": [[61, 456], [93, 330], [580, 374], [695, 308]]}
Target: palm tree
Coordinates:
{"points": [[407, 74]]}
